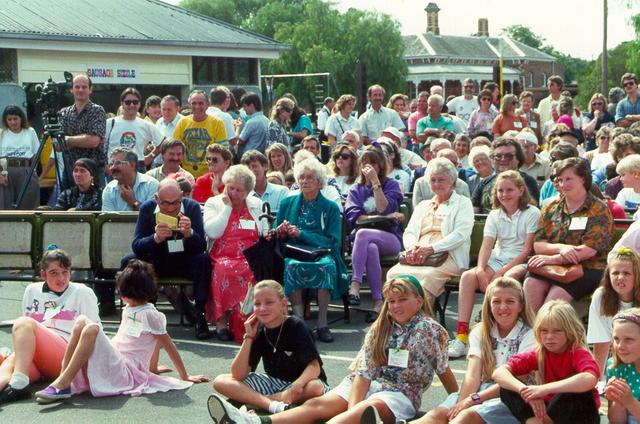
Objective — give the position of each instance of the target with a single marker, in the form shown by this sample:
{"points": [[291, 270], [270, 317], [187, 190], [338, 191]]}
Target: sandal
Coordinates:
{"points": [[354, 300]]}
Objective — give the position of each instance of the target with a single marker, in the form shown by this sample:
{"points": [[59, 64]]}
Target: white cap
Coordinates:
{"points": [[527, 136], [394, 131]]}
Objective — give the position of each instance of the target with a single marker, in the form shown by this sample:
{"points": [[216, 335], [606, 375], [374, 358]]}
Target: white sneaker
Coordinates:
{"points": [[457, 349], [222, 412]]}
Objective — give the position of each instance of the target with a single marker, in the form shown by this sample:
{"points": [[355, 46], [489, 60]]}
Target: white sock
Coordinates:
{"points": [[19, 380], [276, 406]]}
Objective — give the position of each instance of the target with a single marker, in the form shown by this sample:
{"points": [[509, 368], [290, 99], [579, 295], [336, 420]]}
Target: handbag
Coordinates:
{"points": [[560, 273], [434, 260], [377, 222], [304, 253]]}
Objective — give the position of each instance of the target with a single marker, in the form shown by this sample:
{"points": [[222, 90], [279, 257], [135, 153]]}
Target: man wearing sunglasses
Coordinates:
{"points": [[129, 130], [129, 188], [463, 105], [628, 109], [83, 124]]}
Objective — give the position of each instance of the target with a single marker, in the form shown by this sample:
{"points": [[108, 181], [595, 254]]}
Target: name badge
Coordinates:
{"points": [[247, 224], [533, 124], [175, 246], [50, 313], [578, 223], [398, 358], [134, 328], [517, 124]]}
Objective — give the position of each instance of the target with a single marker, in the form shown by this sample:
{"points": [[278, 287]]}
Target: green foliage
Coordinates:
{"points": [[634, 54], [573, 66], [322, 40]]}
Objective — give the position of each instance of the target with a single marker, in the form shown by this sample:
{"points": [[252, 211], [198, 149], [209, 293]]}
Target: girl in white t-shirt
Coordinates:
{"points": [[629, 197], [508, 241], [505, 330], [619, 290]]}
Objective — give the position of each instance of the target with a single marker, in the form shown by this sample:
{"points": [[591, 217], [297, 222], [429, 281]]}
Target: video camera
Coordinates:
{"points": [[50, 96]]}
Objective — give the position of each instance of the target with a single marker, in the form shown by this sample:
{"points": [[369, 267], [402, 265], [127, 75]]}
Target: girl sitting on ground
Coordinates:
{"points": [[402, 351], [293, 368], [120, 366]]}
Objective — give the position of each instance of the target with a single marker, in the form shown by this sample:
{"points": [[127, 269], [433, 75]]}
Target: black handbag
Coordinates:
{"points": [[304, 253], [377, 222]]}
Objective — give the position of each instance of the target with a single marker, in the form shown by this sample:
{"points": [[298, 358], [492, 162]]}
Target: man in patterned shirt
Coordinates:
{"points": [[84, 124]]}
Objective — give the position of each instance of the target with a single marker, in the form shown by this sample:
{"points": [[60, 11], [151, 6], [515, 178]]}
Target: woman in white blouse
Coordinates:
{"points": [[18, 146]]}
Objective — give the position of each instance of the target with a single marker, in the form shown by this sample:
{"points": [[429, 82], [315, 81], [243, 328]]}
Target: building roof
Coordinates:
{"points": [[123, 21], [429, 45]]}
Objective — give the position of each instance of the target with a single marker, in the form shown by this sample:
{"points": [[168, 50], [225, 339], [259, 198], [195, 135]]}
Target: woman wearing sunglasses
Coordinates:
{"points": [[596, 118], [481, 119], [344, 167], [219, 158]]}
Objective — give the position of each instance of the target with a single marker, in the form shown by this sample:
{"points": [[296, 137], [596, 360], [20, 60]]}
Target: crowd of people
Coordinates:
{"points": [[225, 178]]}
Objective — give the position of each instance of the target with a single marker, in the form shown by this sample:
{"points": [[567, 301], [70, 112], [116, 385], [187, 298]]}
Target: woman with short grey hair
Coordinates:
{"points": [[438, 236], [232, 221], [313, 166], [480, 162]]}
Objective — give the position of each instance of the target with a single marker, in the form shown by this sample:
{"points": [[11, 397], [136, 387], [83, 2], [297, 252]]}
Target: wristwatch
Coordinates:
{"points": [[136, 205], [475, 397], [377, 186]]}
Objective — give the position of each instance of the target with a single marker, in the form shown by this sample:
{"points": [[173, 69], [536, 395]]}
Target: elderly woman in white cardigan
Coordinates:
{"points": [[231, 221], [439, 227]]}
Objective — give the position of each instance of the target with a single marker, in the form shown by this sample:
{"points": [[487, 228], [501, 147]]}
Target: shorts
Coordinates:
{"points": [[268, 385], [580, 288], [491, 411], [397, 402], [495, 263]]}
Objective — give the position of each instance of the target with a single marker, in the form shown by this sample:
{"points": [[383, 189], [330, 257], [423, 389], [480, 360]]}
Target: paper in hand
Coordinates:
{"points": [[171, 221]]}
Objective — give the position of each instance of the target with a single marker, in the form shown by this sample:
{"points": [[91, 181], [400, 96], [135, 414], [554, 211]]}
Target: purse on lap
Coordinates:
{"points": [[560, 273], [377, 222], [434, 260], [304, 253]]}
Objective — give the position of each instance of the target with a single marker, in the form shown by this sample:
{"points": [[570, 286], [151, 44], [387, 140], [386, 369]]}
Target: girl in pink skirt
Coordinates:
{"points": [[121, 365]]}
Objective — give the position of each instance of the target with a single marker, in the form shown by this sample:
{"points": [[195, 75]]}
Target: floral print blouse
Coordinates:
{"points": [[426, 341]]}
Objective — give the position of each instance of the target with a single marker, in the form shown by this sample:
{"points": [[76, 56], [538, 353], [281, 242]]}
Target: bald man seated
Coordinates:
{"points": [[170, 235]]}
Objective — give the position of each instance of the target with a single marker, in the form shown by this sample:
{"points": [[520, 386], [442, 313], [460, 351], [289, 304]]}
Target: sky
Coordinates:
{"points": [[573, 27]]}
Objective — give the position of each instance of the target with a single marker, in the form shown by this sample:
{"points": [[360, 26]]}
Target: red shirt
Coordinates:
{"points": [[504, 123], [202, 188], [557, 366]]}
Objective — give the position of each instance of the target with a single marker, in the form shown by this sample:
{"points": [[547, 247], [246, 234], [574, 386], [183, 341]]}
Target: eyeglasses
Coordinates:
{"points": [[629, 84], [594, 104], [505, 156], [131, 102], [169, 203], [212, 159], [343, 156], [486, 99], [118, 162], [285, 109], [469, 86]]}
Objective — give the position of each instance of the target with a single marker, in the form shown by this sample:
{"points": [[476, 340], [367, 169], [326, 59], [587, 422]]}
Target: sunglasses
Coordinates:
{"points": [[486, 99], [469, 86], [505, 156], [131, 102], [629, 84], [597, 104], [118, 162], [343, 156], [212, 159], [285, 109]]}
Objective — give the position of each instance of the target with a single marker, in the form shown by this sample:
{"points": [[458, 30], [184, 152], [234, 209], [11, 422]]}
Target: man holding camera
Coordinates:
{"points": [[84, 125]]}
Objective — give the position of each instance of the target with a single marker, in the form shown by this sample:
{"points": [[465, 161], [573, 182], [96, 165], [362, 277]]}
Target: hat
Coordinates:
{"points": [[394, 131], [88, 164], [527, 136]]}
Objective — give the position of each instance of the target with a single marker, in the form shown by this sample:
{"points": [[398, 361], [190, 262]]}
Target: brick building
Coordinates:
{"points": [[447, 60]]}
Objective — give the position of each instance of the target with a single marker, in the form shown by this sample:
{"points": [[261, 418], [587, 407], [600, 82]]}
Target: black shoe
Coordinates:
{"points": [[324, 335], [188, 309], [9, 394], [106, 309], [370, 317], [354, 300], [202, 329], [224, 335]]}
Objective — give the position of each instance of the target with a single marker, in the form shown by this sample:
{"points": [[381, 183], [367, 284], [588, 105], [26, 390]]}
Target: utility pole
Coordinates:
{"points": [[604, 48]]}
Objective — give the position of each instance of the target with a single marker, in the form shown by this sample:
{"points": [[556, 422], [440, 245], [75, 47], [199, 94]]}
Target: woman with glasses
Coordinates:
{"points": [[280, 114], [219, 158], [341, 122], [600, 156], [343, 166], [507, 119], [481, 119], [596, 118]]}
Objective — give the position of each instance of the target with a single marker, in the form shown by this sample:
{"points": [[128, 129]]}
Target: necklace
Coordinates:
{"points": [[274, 346]]}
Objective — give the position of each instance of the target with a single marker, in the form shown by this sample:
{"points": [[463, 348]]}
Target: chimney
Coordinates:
{"points": [[483, 27], [432, 10]]}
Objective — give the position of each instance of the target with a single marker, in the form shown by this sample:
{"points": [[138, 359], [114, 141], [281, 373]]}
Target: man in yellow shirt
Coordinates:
{"points": [[197, 131]]}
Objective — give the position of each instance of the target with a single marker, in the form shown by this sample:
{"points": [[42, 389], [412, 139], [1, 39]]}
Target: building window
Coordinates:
{"points": [[543, 80], [8, 65], [224, 70], [530, 82]]}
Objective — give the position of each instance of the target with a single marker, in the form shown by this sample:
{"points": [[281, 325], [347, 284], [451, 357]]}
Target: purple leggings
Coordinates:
{"points": [[367, 248]]}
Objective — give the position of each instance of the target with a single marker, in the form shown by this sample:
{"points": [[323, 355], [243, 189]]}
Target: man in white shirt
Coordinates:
{"points": [[378, 117], [169, 107], [220, 99], [554, 85], [407, 157], [323, 116], [462, 106]]}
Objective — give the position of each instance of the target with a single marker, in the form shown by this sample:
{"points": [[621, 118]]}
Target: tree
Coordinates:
{"points": [[236, 12], [525, 36]]}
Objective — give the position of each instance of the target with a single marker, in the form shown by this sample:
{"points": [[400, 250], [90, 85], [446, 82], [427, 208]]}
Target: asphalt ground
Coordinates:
{"points": [[209, 357]]}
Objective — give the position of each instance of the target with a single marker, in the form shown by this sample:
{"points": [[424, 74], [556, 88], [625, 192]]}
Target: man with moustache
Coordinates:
{"points": [[172, 152], [129, 188]]}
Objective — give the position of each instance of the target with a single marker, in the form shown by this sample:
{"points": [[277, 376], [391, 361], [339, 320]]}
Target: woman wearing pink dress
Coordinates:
{"points": [[121, 365]]}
